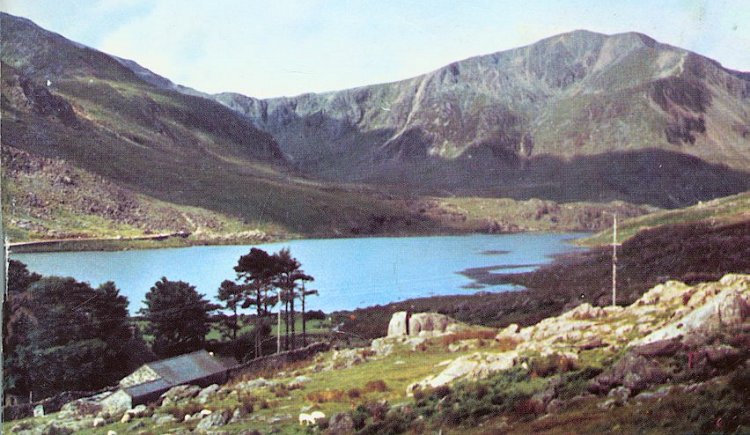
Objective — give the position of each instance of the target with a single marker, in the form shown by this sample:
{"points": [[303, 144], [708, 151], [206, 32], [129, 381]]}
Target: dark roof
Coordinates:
{"points": [[157, 386], [186, 368]]}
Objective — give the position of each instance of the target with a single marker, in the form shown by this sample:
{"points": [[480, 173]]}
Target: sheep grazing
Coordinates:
{"points": [[310, 419]]}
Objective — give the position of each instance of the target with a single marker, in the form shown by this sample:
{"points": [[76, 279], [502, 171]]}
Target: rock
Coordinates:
{"points": [[126, 418], [254, 384], [620, 394], [207, 392], [99, 422], [632, 371], [723, 356], [659, 348], [138, 411], [135, 426], [238, 415], [475, 366], [727, 308], [382, 346], [510, 331], [585, 311], [39, 411], [180, 392], [80, 408], [299, 380], [160, 419], [111, 432], [429, 324], [205, 413], [55, 428], [216, 419], [397, 325], [658, 394], [341, 424], [555, 405]]}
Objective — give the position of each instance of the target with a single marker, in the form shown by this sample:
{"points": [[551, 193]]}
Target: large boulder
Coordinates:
{"points": [[397, 325], [429, 324], [341, 424], [472, 367], [632, 371], [215, 419], [727, 308]]}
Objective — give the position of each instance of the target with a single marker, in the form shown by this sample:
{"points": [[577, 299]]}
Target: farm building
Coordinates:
{"points": [[153, 379]]}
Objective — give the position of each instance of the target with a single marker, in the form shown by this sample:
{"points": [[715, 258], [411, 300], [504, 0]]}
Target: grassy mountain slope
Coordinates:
{"points": [[575, 117], [63, 100]]}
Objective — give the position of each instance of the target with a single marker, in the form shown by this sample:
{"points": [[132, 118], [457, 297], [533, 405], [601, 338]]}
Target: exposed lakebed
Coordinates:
{"points": [[349, 273]]}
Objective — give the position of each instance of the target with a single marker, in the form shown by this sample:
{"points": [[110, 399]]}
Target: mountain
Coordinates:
{"points": [[578, 116], [111, 118]]}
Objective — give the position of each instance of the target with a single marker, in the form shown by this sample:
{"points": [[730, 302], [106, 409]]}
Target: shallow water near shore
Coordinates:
{"points": [[349, 273]]}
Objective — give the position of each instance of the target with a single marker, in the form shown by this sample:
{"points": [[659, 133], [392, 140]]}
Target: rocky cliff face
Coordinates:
{"points": [[511, 116]]}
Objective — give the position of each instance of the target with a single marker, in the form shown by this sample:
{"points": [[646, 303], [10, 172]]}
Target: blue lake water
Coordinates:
{"points": [[349, 273]]}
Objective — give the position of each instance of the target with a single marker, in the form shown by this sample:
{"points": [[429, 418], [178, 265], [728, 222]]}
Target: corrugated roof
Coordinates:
{"points": [[189, 367], [139, 390]]}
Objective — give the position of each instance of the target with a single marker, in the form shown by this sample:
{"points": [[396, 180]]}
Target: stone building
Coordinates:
{"points": [[152, 379]]}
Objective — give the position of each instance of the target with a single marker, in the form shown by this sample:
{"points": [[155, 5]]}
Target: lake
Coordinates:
{"points": [[349, 273]]}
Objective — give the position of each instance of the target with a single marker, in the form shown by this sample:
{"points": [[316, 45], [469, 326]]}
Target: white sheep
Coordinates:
{"points": [[311, 419]]}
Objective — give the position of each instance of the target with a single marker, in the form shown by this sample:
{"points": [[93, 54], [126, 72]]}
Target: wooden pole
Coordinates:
{"points": [[614, 262]]}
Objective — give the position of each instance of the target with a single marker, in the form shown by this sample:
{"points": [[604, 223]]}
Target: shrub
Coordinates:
{"points": [[482, 334], [248, 401], [376, 386], [354, 393], [551, 364], [189, 408], [326, 396]]}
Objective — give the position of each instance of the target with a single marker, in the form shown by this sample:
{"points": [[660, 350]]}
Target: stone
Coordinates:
{"points": [[254, 384], [79, 408], [659, 348], [179, 393], [723, 356], [725, 309], [632, 371], [39, 411], [138, 411], [237, 415], [429, 324], [299, 380], [472, 367], [341, 424], [216, 419], [137, 425], [160, 419], [126, 418], [111, 432], [620, 394], [205, 394], [397, 325], [382, 346], [99, 422], [117, 402]]}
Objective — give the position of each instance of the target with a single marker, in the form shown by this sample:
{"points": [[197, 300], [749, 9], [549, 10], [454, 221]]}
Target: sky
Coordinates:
{"points": [[282, 47]]}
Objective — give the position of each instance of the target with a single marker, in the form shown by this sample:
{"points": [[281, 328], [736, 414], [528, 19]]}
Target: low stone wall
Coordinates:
{"points": [[50, 404], [277, 360]]}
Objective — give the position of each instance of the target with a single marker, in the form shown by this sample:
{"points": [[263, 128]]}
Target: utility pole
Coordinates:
{"points": [[614, 261]]}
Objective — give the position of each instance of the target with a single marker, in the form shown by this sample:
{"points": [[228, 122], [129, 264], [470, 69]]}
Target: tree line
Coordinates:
{"points": [[62, 335]]}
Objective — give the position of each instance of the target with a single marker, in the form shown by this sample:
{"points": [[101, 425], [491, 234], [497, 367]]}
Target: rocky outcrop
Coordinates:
{"points": [[420, 324], [470, 367]]}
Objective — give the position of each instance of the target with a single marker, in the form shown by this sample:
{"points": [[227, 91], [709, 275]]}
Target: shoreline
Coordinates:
{"points": [[177, 240]]}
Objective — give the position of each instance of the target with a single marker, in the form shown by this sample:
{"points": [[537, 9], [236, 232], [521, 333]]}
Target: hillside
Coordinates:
{"points": [[576, 117], [674, 361], [62, 100]]}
